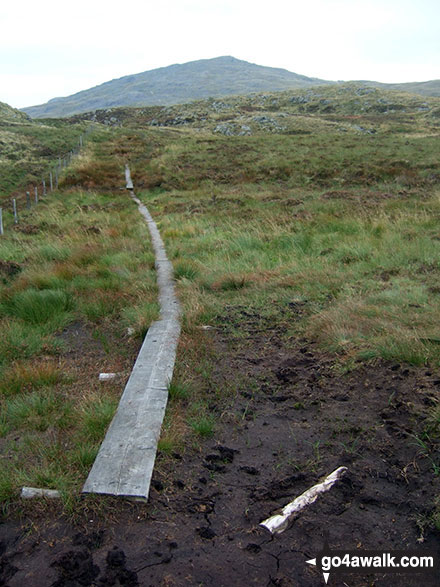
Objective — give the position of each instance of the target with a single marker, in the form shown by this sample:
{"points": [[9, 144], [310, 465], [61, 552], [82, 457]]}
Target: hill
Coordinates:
{"points": [[176, 84], [29, 147], [430, 88], [9, 115], [303, 231]]}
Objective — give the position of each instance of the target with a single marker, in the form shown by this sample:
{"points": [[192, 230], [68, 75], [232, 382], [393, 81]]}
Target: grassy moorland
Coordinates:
{"points": [[77, 294], [324, 201], [29, 149]]}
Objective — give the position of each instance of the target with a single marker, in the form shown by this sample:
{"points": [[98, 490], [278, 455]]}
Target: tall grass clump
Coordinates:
{"points": [[39, 306]]}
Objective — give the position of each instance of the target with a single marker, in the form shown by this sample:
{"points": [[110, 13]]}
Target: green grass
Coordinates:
{"points": [[203, 425], [179, 391], [96, 417], [86, 267], [39, 306], [318, 230], [39, 411]]}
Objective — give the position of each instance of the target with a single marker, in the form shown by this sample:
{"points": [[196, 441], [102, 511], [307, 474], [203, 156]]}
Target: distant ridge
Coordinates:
{"points": [[429, 88], [195, 80], [176, 84]]}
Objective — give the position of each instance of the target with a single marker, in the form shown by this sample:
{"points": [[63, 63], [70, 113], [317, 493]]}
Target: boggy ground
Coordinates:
{"points": [[293, 419]]}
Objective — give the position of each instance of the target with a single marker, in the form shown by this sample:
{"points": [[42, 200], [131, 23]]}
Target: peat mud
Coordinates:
{"points": [[291, 420]]}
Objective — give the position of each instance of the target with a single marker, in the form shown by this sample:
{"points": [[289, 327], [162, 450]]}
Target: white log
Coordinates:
{"points": [[106, 376], [279, 522], [31, 492]]}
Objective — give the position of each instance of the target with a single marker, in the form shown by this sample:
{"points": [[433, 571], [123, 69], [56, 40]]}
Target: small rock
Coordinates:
{"points": [[106, 376]]}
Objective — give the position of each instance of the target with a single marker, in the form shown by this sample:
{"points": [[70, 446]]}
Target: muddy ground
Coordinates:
{"points": [[295, 421]]}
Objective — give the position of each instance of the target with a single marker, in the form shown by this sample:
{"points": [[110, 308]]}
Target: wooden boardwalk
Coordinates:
{"points": [[125, 461]]}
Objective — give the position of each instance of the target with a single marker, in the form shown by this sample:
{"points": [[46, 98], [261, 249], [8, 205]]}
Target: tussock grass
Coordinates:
{"points": [[38, 410], [364, 259], [89, 266], [38, 306]]}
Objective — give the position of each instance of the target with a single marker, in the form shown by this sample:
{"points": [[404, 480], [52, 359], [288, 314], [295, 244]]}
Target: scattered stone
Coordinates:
{"points": [[370, 131], [225, 129]]}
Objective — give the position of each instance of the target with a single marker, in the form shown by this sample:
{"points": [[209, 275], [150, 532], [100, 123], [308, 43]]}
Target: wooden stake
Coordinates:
{"points": [[1, 221], [14, 207], [36, 194], [28, 200], [44, 187], [51, 181]]}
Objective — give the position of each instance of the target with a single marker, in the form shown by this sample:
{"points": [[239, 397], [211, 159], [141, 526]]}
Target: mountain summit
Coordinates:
{"points": [[176, 84]]}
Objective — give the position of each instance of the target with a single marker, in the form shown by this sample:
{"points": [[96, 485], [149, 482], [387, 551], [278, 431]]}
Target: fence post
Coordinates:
{"points": [[14, 207], [28, 200], [51, 181], [44, 187], [1, 221], [36, 194]]}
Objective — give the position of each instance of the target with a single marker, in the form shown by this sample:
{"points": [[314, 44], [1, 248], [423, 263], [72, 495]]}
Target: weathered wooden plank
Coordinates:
{"points": [[125, 461]]}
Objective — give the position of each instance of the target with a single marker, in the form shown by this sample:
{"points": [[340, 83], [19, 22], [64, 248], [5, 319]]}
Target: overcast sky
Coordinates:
{"points": [[50, 48]]}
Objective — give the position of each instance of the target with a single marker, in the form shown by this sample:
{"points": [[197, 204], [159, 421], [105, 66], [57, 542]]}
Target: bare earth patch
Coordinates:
{"points": [[295, 421]]}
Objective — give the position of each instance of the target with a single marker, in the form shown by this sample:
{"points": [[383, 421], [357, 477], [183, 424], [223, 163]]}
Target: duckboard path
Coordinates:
{"points": [[125, 461]]}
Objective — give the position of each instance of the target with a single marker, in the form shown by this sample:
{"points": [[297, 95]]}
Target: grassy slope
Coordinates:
{"points": [[322, 213], [345, 221], [28, 149], [75, 275]]}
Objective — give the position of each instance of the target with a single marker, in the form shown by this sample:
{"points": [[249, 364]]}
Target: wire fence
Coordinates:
{"points": [[49, 183]]}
